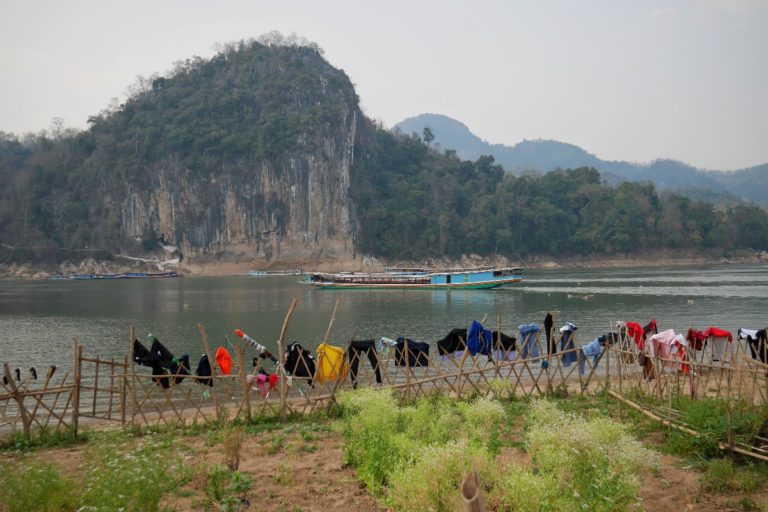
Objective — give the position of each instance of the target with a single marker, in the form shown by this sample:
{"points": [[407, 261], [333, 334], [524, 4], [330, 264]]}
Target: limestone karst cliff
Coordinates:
{"points": [[245, 156]]}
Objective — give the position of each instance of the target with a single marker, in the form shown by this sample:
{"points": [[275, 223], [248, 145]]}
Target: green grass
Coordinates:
{"points": [[43, 438], [36, 486]]}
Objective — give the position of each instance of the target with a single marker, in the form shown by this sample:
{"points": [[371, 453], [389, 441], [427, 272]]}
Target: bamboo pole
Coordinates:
{"points": [[123, 389], [17, 395], [77, 351], [48, 377], [212, 363], [651, 415], [408, 370], [340, 375], [246, 387], [95, 386], [111, 384], [621, 378], [135, 407], [330, 324], [281, 350], [498, 343]]}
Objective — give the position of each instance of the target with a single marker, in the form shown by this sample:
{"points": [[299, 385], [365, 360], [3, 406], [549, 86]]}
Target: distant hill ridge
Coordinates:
{"points": [[545, 155]]}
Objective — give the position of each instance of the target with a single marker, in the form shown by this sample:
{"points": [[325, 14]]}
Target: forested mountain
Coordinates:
{"points": [[262, 154], [546, 155]]}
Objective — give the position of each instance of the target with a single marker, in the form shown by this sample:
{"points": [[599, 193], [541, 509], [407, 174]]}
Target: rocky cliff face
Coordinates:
{"points": [[294, 210], [245, 157]]}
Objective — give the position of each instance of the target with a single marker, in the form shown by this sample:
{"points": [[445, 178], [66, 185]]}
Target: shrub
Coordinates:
{"points": [[226, 490], [519, 490], [371, 443], [380, 436], [132, 480], [596, 461], [432, 481], [233, 442]]}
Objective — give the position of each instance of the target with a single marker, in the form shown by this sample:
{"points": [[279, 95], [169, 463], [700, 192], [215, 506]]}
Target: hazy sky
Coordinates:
{"points": [[624, 79]]}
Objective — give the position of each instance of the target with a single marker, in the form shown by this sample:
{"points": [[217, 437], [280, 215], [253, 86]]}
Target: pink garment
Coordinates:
{"points": [[661, 343], [261, 381], [668, 345]]}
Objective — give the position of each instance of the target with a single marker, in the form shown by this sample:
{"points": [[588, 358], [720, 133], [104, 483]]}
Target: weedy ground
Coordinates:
{"points": [[574, 451]]}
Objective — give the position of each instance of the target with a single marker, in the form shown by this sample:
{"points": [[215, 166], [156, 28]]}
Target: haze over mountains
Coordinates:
{"points": [[545, 155]]}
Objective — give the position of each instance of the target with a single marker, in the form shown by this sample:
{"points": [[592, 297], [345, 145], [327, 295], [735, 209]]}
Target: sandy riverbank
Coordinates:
{"points": [[191, 267]]}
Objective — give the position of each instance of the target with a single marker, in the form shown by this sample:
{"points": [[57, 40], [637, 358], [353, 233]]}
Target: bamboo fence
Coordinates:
{"points": [[119, 391]]}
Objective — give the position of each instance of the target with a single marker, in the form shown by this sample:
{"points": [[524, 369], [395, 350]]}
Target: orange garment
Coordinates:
{"points": [[224, 360]]}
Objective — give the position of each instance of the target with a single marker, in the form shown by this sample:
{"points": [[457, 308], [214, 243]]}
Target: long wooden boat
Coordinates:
{"points": [[269, 273], [466, 279]]}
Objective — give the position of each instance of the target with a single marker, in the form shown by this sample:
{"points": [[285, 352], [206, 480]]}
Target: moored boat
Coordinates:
{"points": [[265, 273], [466, 279]]}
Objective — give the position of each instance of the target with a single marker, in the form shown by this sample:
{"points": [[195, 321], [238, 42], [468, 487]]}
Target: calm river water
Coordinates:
{"points": [[38, 320]]}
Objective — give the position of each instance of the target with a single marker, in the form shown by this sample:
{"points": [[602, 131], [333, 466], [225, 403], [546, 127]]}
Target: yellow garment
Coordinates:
{"points": [[331, 363]]}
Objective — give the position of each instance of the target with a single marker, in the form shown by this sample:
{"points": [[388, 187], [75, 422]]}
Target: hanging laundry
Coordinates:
{"points": [[355, 351], [758, 345], [593, 349], [259, 381], [651, 328], [385, 344], [299, 362], [504, 347], [530, 347], [567, 343], [549, 323], [669, 346], [721, 340], [331, 363], [453, 342], [180, 368], [479, 339], [224, 360], [696, 339], [418, 353], [204, 370], [637, 333], [260, 349], [150, 359]]}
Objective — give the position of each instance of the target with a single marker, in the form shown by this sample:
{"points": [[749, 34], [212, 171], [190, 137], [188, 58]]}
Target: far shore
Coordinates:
{"points": [[242, 267]]}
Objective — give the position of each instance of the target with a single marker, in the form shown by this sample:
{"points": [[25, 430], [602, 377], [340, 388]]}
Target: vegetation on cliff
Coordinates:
{"points": [[416, 203]]}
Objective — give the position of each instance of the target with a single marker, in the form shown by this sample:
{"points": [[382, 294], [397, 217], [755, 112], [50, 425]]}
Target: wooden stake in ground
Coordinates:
{"points": [[281, 363], [246, 394], [133, 377], [212, 363], [25, 421], [76, 360], [472, 494]]}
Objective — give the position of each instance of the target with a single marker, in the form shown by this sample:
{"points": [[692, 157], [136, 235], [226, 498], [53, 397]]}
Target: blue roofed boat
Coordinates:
{"points": [[466, 279]]}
